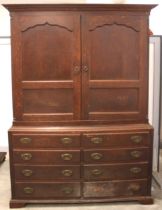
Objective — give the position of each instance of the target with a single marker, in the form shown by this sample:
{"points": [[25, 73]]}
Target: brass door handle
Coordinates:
{"points": [[85, 68], [66, 156], [27, 172], [136, 154], [96, 140], [67, 172], [67, 190], [28, 190], [136, 139], [25, 140], [76, 69], [26, 156], [96, 172], [96, 156], [66, 140]]}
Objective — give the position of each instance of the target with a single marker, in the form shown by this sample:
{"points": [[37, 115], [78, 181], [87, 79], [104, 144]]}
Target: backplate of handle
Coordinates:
{"points": [[28, 190], [26, 156], [136, 139], [25, 140], [66, 156], [67, 172], [76, 69], [66, 140], [27, 172], [96, 172], [96, 156], [135, 170], [85, 68], [96, 140], [136, 154], [67, 190]]}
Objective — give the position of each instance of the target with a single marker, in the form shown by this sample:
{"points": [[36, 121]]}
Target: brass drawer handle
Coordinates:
{"points": [[136, 154], [96, 156], [67, 190], [28, 190], [96, 172], [66, 156], [67, 172], [96, 140], [135, 170], [136, 139], [27, 172], [25, 140], [26, 156], [134, 187], [66, 140]]}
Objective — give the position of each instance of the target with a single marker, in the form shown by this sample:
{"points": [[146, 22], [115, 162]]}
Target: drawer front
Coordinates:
{"points": [[45, 141], [38, 172], [113, 189], [115, 171], [116, 155], [116, 140], [47, 190], [46, 156]]}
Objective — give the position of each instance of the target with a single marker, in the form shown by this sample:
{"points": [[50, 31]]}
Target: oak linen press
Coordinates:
{"points": [[80, 129]]}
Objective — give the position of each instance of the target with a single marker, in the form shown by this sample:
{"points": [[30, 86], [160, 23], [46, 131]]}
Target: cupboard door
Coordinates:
{"points": [[47, 71], [114, 58]]}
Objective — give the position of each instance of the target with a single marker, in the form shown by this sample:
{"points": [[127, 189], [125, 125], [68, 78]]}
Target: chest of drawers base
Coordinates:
{"points": [[80, 164], [146, 200]]}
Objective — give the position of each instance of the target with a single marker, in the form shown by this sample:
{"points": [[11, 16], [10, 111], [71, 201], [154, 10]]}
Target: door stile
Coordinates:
{"points": [[85, 67], [77, 68], [16, 50]]}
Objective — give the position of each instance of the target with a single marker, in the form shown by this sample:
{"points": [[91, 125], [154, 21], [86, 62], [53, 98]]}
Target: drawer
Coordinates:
{"points": [[45, 141], [42, 172], [116, 140], [116, 155], [111, 189], [47, 190], [115, 171], [46, 156]]}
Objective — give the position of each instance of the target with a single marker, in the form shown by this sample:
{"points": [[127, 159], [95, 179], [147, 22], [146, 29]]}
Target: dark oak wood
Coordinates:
{"points": [[80, 129], [115, 188], [115, 171], [46, 156], [80, 7], [118, 77], [147, 201], [21, 203], [42, 141], [47, 172], [14, 204], [108, 140], [47, 190], [115, 155]]}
